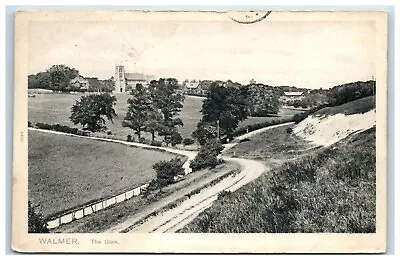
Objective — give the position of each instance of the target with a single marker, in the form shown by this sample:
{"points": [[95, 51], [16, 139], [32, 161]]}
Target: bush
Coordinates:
{"points": [[29, 124], [166, 171], [61, 128], [176, 138], [188, 141], [109, 133], [129, 138], [207, 156], [223, 194], [289, 130], [36, 224], [156, 143]]}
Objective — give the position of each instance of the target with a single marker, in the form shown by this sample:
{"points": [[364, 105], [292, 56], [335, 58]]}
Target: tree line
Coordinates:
{"points": [[58, 78]]}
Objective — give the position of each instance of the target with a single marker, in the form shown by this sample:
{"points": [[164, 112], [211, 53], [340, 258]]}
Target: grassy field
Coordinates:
{"points": [[56, 108], [65, 172], [146, 204], [331, 190]]}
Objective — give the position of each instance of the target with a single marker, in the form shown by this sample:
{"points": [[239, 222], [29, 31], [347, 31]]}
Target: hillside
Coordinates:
{"points": [[331, 124], [332, 191], [329, 189]]}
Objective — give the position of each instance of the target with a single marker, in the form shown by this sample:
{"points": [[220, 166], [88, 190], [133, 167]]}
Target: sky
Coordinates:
{"points": [[302, 54]]}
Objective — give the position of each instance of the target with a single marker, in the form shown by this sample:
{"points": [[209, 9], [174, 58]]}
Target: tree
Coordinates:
{"points": [[351, 91], [36, 224], [264, 100], [207, 156], [225, 107], [60, 76], [166, 171], [138, 110], [153, 123], [89, 111], [205, 131], [168, 100], [39, 81]]}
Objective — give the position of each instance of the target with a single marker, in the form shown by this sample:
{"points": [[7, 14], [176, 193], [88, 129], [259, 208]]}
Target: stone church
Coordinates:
{"points": [[125, 81]]}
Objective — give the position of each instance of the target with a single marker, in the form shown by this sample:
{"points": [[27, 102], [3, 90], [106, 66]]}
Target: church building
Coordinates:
{"points": [[125, 81]]}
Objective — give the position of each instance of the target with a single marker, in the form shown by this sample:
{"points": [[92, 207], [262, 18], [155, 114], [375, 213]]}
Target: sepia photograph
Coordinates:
{"points": [[204, 125]]}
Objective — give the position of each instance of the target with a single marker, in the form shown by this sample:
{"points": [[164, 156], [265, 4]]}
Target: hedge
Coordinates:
{"points": [[61, 128]]}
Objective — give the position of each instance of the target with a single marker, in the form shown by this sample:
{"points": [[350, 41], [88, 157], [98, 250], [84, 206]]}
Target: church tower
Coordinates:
{"points": [[120, 82]]}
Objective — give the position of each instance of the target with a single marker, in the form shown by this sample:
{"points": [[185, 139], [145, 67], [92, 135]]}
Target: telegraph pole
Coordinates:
{"points": [[218, 130]]}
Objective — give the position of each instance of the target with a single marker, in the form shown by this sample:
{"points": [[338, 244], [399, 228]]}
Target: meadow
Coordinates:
{"points": [[56, 108], [65, 171]]}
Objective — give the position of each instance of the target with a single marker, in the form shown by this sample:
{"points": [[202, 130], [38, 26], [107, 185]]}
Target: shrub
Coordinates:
{"points": [[36, 224], [166, 171], [188, 141], [289, 130], [129, 138], [224, 193], [29, 124], [207, 156], [61, 128], [176, 138], [142, 140], [109, 133], [156, 143]]}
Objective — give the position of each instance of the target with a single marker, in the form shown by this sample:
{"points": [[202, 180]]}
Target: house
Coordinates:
{"points": [[192, 86], [79, 83], [124, 81], [292, 96]]}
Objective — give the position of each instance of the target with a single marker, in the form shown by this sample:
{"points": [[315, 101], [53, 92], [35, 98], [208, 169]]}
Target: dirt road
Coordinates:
{"points": [[176, 218]]}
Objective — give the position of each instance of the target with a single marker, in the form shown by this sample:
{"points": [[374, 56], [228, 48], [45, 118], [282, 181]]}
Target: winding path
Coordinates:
{"points": [[174, 219]]}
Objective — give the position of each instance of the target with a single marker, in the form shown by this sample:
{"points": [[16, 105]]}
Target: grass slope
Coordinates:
{"points": [[354, 107], [276, 143], [65, 172], [332, 190]]}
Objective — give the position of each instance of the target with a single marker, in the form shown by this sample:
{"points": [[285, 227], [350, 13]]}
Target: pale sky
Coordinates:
{"points": [[303, 54]]}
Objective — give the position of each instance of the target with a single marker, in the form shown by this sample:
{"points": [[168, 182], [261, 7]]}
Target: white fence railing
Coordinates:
{"points": [[94, 207]]}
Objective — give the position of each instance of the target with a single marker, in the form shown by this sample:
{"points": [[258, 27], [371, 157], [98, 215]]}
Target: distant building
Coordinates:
{"points": [[293, 93], [79, 83], [125, 80], [192, 86], [292, 96]]}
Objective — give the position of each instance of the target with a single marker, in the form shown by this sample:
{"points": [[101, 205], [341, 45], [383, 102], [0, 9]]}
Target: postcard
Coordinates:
{"points": [[200, 131]]}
